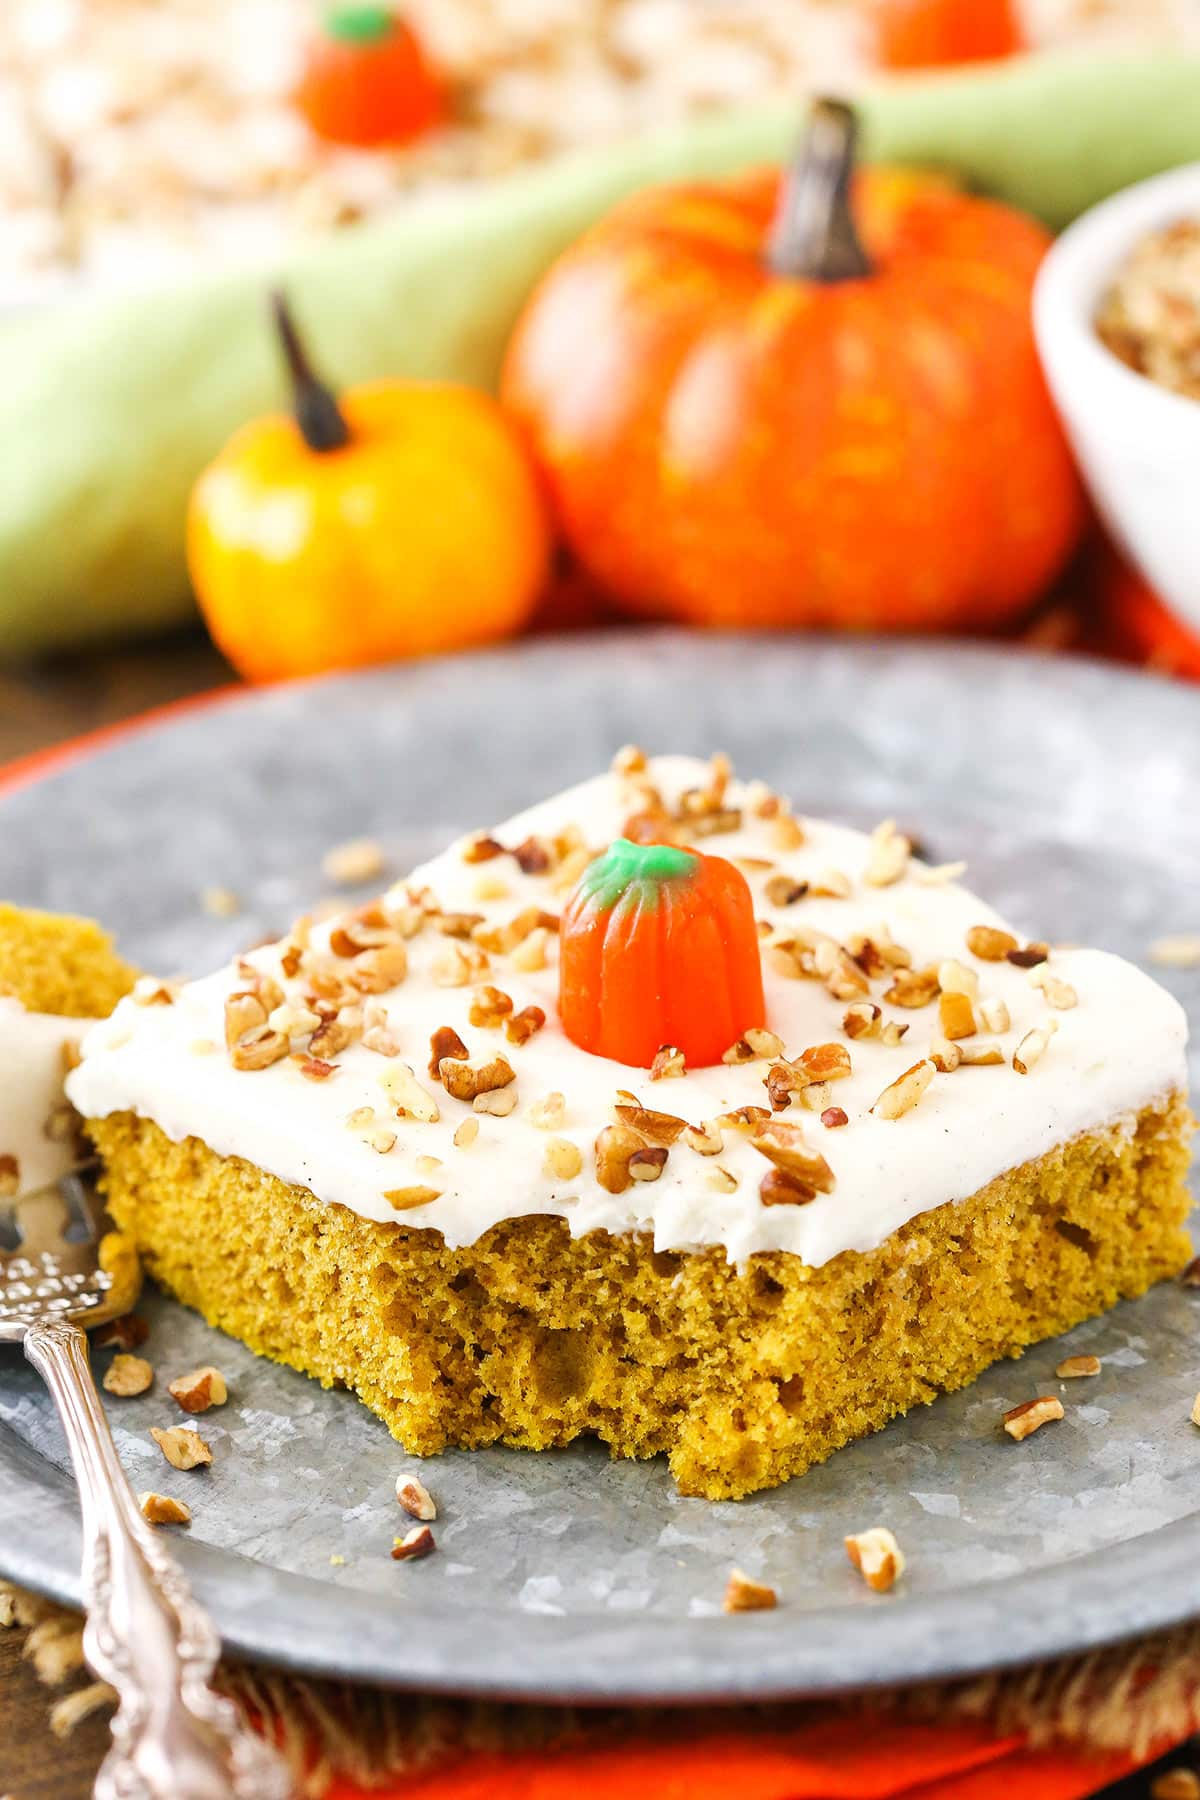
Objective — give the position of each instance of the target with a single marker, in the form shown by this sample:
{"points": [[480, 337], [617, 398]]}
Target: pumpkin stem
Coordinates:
{"points": [[320, 419], [813, 237]]}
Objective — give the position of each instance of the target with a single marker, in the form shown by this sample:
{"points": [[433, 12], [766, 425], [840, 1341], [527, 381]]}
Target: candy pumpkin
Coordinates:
{"points": [[400, 519], [366, 80], [926, 34], [658, 946], [766, 404]]}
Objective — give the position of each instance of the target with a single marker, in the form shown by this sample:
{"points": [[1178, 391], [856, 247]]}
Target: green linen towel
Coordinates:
{"points": [[109, 409]]}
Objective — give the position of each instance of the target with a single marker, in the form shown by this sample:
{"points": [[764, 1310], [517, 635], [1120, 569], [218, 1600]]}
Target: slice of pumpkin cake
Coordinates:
{"points": [[656, 1113], [58, 974]]}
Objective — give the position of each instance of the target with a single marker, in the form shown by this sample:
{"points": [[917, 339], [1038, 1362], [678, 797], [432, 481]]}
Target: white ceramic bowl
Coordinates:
{"points": [[1138, 444]]}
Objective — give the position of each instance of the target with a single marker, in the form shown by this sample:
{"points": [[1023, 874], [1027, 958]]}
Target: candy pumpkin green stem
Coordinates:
{"points": [[320, 419], [659, 946], [814, 237]]}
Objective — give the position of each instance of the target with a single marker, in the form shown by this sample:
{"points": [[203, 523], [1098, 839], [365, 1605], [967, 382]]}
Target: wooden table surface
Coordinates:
{"points": [[41, 705], [34, 1764], [44, 703]]}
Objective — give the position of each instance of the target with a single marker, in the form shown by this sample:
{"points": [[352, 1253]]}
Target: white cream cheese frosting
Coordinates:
{"points": [[1118, 1045], [38, 1141]]}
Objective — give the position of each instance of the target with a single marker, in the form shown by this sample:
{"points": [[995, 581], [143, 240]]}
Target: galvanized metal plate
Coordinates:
{"points": [[1070, 787]]}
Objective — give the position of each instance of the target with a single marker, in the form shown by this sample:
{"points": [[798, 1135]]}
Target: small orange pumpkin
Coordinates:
{"points": [[658, 946], [402, 519], [761, 406], [366, 79], [926, 34]]}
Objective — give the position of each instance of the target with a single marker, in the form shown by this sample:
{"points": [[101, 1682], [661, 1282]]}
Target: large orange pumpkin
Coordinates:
{"points": [[759, 406]]}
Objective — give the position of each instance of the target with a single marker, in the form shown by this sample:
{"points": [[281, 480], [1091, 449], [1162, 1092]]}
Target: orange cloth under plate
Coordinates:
{"points": [[846, 1759]]}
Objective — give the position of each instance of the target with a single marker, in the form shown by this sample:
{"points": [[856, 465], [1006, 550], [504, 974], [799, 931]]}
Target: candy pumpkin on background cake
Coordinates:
{"points": [[808, 402]]}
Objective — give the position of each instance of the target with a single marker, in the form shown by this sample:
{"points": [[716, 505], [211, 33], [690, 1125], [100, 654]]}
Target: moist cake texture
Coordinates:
{"points": [[370, 1152], [58, 974]]}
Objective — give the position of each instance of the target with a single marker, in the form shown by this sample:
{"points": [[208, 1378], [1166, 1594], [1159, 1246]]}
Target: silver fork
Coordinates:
{"points": [[174, 1738]]}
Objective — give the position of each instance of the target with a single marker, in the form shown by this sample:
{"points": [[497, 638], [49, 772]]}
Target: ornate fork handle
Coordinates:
{"points": [[173, 1737]]}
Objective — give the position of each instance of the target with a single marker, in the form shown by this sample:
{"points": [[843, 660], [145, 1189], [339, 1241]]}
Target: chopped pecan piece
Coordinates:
{"points": [[1022, 1421], [498, 1102], [705, 1140], [196, 1391], [467, 1082], [415, 1498], [127, 1375], [482, 848], [656, 1127], [351, 864], [861, 1019], [629, 760], [465, 1133], [892, 1032], [330, 1039], [832, 1117], [409, 1099], [784, 890], [784, 1145], [913, 988], [957, 1016], [524, 1025], [877, 1557], [1059, 994], [380, 968], [457, 924], [417, 1542], [548, 1113], [404, 1199], [445, 1043], [1074, 1367], [745, 1595], [778, 1188], [490, 1007], [244, 1013], [994, 1014], [260, 1050], [888, 858], [904, 1093], [824, 1062], [458, 965], [846, 980], [530, 954], [1029, 957], [10, 1176], [978, 1056], [182, 1447], [955, 978], [649, 1163], [161, 1509], [944, 1056], [1033, 1046], [746, 1119], [668, 1064], [564, 1160], [989, 943], [615, 1146], [782, 1081], [534, 856], [126, 1333]]}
